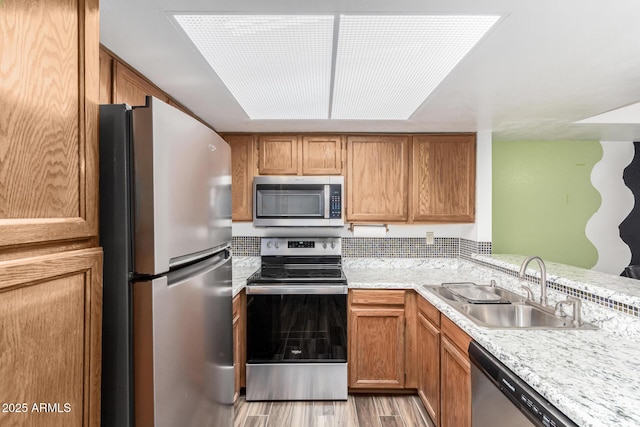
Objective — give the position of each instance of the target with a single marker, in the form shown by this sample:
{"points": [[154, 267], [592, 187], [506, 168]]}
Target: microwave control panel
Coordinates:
{"points": [[335, 201]]}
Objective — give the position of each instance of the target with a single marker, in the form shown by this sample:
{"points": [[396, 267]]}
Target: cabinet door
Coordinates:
{"points": [[377, 178], [278, 155], [50, 336], [106, 77], [49, 81], [429, 367], [243, 169], [455, 385], [444, 173], [239, 345], [376, 347], [322, 155], [131, 88]]}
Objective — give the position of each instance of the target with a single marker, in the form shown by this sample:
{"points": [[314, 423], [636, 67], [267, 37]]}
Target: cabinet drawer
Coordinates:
{"points": [[455, 334], [377, 297], [429, 311]]}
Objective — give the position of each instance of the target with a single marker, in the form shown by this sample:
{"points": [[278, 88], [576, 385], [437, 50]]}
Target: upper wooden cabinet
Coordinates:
{"points": [[278, 155], [131, 88], [300, 154], [443, 178], [48, 122], [106, 77], [243, 169], [377, 178], [322, 155]]}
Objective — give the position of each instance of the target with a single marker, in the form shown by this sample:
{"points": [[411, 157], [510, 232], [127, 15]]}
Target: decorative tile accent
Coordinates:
{"points": [[245, 245], [567, 290], [399, 247], [469, 247]]}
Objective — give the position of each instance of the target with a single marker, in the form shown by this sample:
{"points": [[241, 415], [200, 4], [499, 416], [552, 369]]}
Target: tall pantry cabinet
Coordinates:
{"points": [[50, 260]]}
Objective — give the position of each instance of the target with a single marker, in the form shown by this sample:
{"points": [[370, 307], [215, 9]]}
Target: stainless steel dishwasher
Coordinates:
{"points": [[500, 398]]}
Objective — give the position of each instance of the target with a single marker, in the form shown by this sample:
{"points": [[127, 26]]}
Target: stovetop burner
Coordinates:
{"points": [[304, 261]]}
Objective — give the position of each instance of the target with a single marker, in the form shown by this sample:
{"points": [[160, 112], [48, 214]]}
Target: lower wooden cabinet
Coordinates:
{"points": [[455, 377], [429, 366], [51, 339], [376, 339], [239, 342]]}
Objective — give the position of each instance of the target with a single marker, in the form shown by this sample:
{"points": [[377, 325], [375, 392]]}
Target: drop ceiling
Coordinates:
{"points": [[543, 67]]}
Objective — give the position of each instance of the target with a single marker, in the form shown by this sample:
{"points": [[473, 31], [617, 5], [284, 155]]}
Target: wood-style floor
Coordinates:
{"points": [[361, 410]]}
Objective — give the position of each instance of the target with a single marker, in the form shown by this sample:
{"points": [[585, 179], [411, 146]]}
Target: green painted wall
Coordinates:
{"points": [[543, 198]]}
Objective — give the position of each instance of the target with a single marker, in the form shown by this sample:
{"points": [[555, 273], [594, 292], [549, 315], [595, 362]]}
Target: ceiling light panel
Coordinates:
{"points": [[277, 67], [386, 66]]}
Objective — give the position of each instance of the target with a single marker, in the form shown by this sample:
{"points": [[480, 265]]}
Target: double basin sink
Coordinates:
{"points": [[494, 307]]}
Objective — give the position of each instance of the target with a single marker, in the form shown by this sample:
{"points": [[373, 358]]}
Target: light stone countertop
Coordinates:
{"points": [[591, 376]]}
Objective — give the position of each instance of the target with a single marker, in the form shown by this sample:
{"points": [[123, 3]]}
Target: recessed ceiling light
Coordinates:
{"points": [[277, 67], [386, 66]]}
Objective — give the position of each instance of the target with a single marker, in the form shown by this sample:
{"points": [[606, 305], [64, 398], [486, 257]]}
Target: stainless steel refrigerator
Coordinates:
{"points": [[165, 226]]}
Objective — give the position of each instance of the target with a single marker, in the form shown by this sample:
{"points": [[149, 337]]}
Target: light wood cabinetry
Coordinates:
{"points": [[278, 155], [376, 339], [50, 267], [243, 169], [131, 88], [377, 178], [50, 335], [429, 358], [322, 154], [239, 342], [106, 77], [455, 381], [443, 178]]}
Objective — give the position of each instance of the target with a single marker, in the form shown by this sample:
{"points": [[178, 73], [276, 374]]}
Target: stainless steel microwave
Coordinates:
{"points": [[298, 201]]}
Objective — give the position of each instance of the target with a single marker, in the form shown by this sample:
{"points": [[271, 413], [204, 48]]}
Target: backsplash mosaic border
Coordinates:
{"points": [[385, 247], [567, 290]]}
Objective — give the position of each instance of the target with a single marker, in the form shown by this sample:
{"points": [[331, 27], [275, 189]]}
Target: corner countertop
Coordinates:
{"points": [[591, 376]]}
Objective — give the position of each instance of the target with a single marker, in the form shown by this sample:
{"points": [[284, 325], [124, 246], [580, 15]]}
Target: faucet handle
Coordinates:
{"points": [[576, 304], [529, 292]]}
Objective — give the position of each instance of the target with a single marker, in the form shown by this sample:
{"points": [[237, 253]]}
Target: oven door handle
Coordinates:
{"points": [[297, 290]]}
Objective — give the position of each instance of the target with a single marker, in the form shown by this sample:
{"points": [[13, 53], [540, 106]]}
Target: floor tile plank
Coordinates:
{"points": [[259, 408], [345, 413], [390, 421], [280, 414], [423, 411], [385, 404], [256, 421], [366, 410], [323, 408]]}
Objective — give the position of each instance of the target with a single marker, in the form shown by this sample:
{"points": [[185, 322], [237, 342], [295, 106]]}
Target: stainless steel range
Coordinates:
{"points": [[297, 322]]}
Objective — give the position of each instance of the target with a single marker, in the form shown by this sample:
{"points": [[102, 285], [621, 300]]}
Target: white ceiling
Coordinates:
{"points": [[546, 65]]}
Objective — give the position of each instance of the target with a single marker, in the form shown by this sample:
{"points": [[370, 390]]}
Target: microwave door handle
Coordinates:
{"points": [[327, 195]]}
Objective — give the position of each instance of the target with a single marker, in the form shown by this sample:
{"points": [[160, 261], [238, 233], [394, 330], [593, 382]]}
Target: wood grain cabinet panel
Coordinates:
{"points": [[455, 384], [376, 346], [377, 178], [49, 82], [278, 155], [429, 366], [50, 338], [131, 88], [322, 155], [106, 77], [443, 174], [239, 343], [243, 169]]}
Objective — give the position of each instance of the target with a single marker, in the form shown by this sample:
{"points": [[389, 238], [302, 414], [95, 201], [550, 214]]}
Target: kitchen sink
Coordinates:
{"points": [[502, 309]]}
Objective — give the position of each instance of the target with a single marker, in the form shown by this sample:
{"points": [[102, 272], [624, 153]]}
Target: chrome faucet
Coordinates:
{"points": [[543, 277], [577, 309]]}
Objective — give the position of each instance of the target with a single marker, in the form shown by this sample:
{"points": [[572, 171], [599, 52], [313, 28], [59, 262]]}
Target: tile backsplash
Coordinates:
{"points": [[385, 247]]}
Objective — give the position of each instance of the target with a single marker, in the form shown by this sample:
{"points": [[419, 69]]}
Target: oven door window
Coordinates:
{"points": [[296, 328], [307, 202]]}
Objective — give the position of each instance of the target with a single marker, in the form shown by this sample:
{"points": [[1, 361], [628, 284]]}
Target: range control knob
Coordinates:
{"points": [[269, 244], [277, 245], [333, 245], [324, 246]]}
